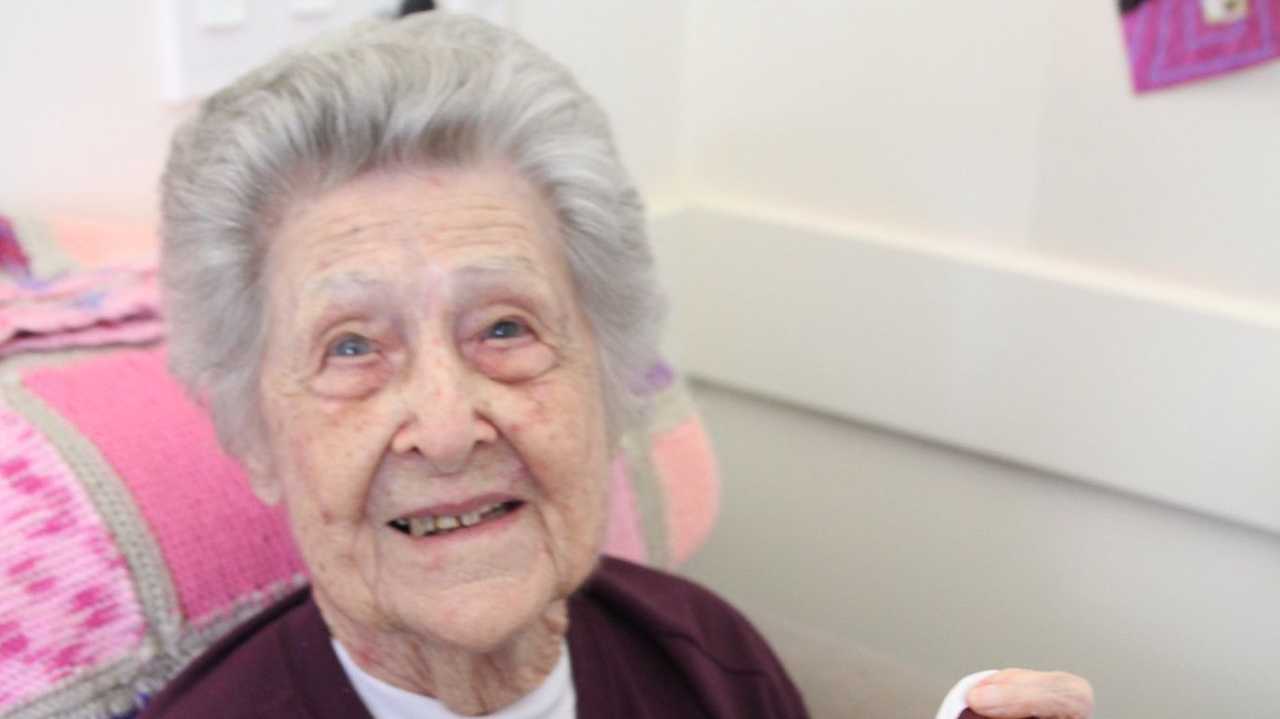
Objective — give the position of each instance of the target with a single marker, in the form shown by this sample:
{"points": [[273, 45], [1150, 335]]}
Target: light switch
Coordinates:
{"points": [[1222, 12], [221, 14], [205, 44], [312, 8], [497, 12]]}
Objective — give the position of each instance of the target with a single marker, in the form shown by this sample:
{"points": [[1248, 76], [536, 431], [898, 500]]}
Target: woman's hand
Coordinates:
{"points": [[1022, 693]]}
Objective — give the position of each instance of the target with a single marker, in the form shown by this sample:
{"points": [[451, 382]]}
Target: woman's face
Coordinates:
{"points": [[433, 404]]}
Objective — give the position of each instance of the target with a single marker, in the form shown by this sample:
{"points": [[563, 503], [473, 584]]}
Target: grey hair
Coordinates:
{"points": [[431, 89]]}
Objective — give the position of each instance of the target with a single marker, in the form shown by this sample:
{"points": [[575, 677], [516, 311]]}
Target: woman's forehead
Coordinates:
{"points": [[444, 195], [473, 227]]}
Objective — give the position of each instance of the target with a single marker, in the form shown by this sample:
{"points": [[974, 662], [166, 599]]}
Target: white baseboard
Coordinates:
{"points": [[1174, 396]]}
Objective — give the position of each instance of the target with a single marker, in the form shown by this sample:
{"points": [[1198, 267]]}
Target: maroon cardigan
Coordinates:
{"points": [[642, 644]]}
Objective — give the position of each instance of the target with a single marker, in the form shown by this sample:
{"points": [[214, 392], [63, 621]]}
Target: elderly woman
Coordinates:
{"points": [[410, 279]]}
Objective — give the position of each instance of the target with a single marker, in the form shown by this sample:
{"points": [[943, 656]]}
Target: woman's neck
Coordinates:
{"points": [[468, 683]]}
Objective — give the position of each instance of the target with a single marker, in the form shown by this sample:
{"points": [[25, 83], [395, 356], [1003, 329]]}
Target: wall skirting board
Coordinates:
{"points": [[1167, 394]]}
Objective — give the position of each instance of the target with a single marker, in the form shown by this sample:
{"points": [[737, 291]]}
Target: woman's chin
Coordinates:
{"points": [[483, 617]]}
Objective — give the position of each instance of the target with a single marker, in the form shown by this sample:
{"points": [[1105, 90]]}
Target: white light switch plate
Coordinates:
{"points": [[498, 12], [312, 8], [221, 14], [205, 44]]}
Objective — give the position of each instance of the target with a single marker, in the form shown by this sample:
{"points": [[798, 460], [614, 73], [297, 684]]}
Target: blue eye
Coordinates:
{"points": [[351, 346], [506, 329]]}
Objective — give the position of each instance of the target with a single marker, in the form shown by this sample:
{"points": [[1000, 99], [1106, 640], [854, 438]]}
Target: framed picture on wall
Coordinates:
{"points": [[1171, 42]]}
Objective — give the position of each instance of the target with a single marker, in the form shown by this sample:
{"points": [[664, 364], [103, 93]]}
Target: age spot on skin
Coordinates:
{"points": [[365, 656]]}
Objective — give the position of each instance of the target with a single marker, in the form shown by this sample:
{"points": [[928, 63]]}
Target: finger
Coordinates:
{"points": [[1060, 682], [1014, 675], [1021, 693]]}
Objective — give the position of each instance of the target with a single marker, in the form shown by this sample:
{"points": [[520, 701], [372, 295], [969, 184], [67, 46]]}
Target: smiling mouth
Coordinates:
{"points": [[445, 523]]}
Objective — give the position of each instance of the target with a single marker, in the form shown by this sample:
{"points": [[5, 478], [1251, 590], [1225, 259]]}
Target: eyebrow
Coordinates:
{"points": [[343, 293], [346, 283], [354, 288], [484, 272], [501, 266], [514, 275]]}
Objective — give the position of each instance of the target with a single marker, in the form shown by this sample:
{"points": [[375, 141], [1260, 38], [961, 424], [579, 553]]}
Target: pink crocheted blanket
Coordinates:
{"points": [[90, 309], [67, 305]]}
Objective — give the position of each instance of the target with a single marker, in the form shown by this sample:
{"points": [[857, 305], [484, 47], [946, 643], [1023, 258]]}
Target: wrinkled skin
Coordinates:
{"points": [[426, 348], [1021, 693]]}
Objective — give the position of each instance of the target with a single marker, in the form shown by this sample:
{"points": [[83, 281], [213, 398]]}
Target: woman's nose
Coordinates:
{"points": [[441, 418]]}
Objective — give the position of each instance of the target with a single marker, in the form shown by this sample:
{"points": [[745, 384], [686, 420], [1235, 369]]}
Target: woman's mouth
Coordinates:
{"points": [[430, 525]]}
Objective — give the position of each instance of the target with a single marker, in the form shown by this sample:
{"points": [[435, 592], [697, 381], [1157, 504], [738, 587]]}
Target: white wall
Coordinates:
{"points": [[1181, 185], [985, 122], [1037, 265], [954, 220], [631, 57], [84, 130], [891, 113], [857, 547]]}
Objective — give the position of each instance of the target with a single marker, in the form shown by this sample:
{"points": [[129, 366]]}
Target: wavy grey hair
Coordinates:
{"points": [[430, 90]]}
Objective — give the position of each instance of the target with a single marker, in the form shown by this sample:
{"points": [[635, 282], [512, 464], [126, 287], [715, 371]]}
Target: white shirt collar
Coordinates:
{"points": [[553, 699]]}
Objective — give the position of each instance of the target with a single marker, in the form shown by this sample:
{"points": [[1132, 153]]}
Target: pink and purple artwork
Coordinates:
{"points": [[1176, 41]]}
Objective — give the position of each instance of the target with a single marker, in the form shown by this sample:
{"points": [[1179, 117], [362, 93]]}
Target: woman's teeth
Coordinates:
{"points": [[427, 526]]}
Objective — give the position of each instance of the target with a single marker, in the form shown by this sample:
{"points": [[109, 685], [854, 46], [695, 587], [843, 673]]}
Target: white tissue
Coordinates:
{"points": [[954, 704]]}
